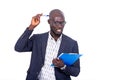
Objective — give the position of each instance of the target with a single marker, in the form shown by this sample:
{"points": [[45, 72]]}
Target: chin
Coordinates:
{"points": [[58, 33]]}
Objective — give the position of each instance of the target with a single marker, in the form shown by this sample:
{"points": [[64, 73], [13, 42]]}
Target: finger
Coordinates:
{"points": [[54, 61], [39, 15]]}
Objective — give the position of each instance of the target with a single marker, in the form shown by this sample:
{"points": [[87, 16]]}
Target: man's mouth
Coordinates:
{"points": [[59, 30]]}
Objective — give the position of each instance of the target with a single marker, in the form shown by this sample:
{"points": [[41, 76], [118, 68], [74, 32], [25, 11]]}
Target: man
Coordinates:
{"points": [[46, 47]]}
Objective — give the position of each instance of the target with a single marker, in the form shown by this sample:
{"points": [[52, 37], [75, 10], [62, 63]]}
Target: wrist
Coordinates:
{"points": [[62, 68], [31, 27]]}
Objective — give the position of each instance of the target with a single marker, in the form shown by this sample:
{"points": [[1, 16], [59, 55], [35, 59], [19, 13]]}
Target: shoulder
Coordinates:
{"points": [[68, 39], [41, 35]]}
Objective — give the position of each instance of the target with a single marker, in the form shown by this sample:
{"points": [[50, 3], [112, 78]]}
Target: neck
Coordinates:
{"points": [[55, 36]]}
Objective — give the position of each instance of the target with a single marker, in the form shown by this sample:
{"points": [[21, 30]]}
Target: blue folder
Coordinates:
{"points": [[69, 58]]}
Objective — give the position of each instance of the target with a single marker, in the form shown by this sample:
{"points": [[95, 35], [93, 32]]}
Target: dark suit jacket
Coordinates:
{"points": [[37, 44]]}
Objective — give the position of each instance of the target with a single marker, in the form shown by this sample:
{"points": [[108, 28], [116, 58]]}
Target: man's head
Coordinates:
{"points": [[57, 22]]}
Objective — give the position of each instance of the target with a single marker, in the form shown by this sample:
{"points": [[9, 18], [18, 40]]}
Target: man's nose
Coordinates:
{"points": [[60, 26]]}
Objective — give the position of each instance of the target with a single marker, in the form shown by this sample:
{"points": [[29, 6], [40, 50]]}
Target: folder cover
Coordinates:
{"points": [[69, 58]]}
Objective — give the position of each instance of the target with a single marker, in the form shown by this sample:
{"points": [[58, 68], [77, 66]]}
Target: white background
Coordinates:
{"points": [[93, 23]]}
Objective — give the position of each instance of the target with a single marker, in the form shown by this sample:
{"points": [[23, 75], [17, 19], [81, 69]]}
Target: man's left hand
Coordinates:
{"points": [[58, 63]]}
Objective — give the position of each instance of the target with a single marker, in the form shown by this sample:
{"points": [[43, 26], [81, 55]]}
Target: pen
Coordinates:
{"points": [[46, 15]]}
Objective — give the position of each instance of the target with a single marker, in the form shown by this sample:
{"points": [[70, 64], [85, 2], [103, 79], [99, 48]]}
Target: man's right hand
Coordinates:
{"points": [[35, 21]]}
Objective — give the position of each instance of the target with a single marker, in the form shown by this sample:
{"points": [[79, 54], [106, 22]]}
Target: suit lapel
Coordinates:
{"points": [[44, 44], [62, 46]]}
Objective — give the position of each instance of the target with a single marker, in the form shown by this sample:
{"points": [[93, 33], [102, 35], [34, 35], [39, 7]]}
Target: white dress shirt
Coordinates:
{"points": [[47, 72]]}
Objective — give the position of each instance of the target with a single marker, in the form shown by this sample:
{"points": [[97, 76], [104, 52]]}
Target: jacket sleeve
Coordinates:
{"points": [[74, 69], [24, 44]]}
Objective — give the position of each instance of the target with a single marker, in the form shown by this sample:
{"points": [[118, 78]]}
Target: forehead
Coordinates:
{"points": [[58, 18]]}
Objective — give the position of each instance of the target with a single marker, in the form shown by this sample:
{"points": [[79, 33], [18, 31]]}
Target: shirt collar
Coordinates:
{"points": [[50, 37]]}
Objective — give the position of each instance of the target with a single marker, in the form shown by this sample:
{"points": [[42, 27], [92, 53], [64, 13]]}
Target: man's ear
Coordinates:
{"points": [[48, 21]]}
